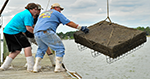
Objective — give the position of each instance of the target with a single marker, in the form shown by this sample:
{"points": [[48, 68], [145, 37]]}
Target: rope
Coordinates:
{"points": [[108, 12], [47, 4], [109, 23]]}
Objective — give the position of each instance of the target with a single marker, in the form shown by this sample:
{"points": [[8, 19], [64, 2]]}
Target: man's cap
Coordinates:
{"points": [[39, 6], [57, 5]]}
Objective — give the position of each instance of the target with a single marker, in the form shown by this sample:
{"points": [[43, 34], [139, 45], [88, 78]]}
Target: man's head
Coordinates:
{"points": [[57, 7], [39, 8], [33, 8]]}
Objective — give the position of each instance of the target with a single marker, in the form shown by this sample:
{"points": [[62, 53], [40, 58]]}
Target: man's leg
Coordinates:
{"points": [[31, 40], [8, 60], [37, 66], [51, 55], [29, 58], [55, 43], [59, 59], [42, 47], [49, 52]]}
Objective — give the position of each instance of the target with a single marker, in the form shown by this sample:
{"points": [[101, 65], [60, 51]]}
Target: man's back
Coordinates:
{"points": [[50, 20], [18, 22]]}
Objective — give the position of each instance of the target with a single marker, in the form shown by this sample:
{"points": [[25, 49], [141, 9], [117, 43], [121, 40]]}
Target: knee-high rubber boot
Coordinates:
{"points": [[6, 64], [26, 65], [37, 66], [58, 67], [52, 59], [30, 63]]}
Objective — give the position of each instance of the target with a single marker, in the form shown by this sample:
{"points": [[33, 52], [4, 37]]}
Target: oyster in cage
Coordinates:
{"points": [[110, 39]]}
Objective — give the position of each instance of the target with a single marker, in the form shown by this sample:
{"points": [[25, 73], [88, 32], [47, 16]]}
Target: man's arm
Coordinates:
{"points": [[72, 24], [29, 28], [82, 28]]}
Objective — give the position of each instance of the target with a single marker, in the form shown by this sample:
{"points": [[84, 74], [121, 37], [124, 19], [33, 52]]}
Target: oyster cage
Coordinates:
{"points": [[110, 39]]}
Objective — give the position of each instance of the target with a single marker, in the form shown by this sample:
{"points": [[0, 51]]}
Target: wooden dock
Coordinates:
{"points": [[18, 71]]}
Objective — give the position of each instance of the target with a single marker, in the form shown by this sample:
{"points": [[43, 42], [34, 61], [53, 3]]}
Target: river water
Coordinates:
{"points": [[133, 66]]}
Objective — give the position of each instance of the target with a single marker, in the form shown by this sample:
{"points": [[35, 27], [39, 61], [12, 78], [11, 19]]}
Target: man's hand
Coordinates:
{"points": [[29, 34], [30, 28]]}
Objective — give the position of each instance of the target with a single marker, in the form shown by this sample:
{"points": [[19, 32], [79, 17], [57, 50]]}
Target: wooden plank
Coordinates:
{"points": [[18, 71]]}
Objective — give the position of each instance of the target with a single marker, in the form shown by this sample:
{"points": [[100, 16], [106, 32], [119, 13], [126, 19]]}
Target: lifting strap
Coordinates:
{"points": [[108, 12]]}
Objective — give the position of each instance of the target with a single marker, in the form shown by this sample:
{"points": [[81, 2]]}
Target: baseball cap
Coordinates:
{"points": [[39, 6], [57, 5]]}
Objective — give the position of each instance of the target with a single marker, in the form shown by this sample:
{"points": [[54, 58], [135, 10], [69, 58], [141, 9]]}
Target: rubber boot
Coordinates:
{"points": [[58, 67], [37, 66], [25, 66], [30, 63], [52, 59], [6, 64]]}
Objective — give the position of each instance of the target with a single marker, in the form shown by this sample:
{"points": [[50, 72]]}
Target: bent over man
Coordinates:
{"points": [[31, 39], [45, 35], [15, 38]]}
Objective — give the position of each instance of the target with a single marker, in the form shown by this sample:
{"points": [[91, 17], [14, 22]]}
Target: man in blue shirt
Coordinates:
{"points": [[15, 38], [50, 53], [45, 35]]}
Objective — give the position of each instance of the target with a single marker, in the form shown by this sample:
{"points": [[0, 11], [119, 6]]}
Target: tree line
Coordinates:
{"points": [[147, 29], [69, 35]]}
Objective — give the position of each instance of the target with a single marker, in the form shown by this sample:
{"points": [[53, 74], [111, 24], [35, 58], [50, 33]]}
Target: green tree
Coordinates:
{"points": [[140, 28], [68, 35], [61, 35], [147, 29]]}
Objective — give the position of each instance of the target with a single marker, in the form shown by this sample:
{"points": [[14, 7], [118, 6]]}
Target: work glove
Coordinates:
{"points": [[83, 29]]}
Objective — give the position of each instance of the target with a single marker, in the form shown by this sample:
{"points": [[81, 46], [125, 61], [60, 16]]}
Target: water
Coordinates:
{"points": [[134, 66]]}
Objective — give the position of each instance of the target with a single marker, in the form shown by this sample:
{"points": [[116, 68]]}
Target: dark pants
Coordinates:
{"points": [[16, 42]]}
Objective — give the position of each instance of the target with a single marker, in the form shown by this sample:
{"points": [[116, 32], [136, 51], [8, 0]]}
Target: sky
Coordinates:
{"points": [[129, 13]]}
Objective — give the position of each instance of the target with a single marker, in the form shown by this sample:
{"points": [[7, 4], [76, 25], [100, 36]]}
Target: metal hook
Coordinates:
{"points": [[81, 47], [95, 53]]}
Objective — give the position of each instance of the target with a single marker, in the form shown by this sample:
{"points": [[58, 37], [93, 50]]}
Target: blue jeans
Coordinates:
{"points": [[49, 39]]}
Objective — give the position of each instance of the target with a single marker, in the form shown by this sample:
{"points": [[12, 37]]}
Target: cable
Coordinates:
{"points": [[47, 4], [108, 11]]}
